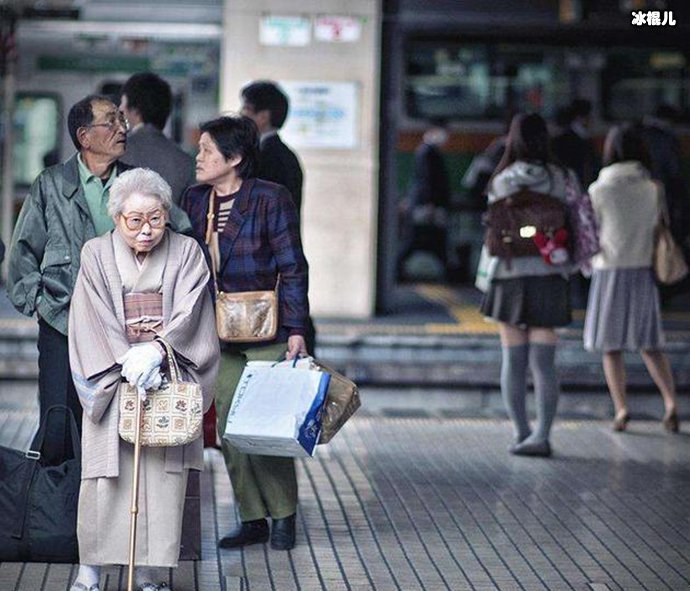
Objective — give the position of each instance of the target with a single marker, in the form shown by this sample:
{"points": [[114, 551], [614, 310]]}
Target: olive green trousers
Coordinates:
{"points": [[264, 486]]}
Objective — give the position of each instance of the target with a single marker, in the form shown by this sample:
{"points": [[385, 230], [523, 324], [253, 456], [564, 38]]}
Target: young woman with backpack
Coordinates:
{"points": [[528, 295]]}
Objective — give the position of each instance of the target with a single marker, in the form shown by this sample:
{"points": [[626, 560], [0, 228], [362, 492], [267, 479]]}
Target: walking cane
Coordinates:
{"points": [[134, 509]]}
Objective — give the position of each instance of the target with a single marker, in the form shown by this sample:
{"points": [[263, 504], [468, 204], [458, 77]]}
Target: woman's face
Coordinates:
{"points": [[211, 166], [142, 222]]}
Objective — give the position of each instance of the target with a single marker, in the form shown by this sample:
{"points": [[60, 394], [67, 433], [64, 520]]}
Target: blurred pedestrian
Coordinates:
{"points": [[67, 205], [666, 165], [250, 230], [573, 145], [137, 286], [424, 212], [623, 311], [146, 101], [267, 105], [526, 295]]}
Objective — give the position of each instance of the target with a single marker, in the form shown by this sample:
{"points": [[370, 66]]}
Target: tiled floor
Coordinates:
{"points": [[438, 504]]}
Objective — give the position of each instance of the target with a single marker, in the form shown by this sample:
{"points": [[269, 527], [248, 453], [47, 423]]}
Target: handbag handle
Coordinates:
{"points": [[172, 361], [664, 219], [37, 443]]}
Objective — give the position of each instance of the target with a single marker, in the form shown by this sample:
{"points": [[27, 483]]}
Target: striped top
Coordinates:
{"points": [[223, 205]]}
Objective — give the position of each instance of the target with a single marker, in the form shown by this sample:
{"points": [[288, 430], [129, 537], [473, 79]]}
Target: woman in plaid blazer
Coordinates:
{"points": [[254, 235]]}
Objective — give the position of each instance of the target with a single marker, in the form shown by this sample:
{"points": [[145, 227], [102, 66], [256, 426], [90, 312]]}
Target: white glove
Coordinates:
{"points": [[140, 361], [153, 382]]}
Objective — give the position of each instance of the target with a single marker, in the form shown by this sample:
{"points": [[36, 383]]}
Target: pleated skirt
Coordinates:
{"points": [[534, 301], [104, 512], [623, 312]]}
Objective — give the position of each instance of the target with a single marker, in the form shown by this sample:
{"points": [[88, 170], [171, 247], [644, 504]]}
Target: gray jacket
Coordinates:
{"points": [[149, 148], [53, 225]]}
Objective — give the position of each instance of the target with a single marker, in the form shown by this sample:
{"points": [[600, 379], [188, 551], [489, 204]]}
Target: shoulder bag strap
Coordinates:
{"points": [[209, 240]]}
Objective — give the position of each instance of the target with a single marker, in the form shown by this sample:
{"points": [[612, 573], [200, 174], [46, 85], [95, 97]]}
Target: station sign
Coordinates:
{"points": [[289, 31], [337, 29], [322, 114]]}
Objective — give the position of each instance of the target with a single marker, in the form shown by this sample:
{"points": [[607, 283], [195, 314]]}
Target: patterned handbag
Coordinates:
{"points": [[171, 415]]}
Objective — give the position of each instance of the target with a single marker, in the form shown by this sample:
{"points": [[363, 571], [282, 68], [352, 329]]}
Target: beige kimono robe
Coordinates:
{"points": [[97, 337]]}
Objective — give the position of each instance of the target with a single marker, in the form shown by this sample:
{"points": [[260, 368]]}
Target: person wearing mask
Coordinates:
{"points": [[527, 296], [146, 101], [623, 312], [67, 205], [249, 229]]}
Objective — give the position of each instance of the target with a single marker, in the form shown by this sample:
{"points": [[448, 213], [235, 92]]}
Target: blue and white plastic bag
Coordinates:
{"points": [[277, 409]]}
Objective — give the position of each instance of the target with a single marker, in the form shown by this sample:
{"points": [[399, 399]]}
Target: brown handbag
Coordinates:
{"points": [[669, 263], [242, 316], [513, 221]]}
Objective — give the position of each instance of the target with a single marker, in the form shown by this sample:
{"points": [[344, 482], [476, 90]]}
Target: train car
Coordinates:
{"points": [[63, 60], [473, 64]]}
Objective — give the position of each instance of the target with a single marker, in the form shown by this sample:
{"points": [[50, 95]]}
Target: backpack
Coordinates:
{"points": [[513, 222]]}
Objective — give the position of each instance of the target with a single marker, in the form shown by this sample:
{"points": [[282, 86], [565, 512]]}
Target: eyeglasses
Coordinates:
{"points": [[112, 121], [136, 220]]}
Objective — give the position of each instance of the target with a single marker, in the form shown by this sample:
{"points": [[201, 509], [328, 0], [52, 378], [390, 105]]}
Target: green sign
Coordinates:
{"points": [[94, 63]]}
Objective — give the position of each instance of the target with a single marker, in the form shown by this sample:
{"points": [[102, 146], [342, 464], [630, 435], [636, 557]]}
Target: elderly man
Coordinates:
{"points": [[66, 206], [146, 102]]}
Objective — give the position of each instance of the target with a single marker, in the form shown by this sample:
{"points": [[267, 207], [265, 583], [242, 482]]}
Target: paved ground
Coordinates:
{"points": [[438, 504]]}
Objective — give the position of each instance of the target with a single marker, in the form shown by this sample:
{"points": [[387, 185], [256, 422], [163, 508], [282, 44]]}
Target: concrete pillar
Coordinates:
{"points": [[340, 200]]}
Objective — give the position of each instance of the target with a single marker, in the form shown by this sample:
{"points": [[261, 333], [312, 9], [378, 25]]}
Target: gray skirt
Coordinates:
{"points": [[623, 311]]}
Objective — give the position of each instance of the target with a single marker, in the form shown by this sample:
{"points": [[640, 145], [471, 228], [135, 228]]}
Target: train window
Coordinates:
{"points": [[36, 123], [483, 81], [636, 81]]}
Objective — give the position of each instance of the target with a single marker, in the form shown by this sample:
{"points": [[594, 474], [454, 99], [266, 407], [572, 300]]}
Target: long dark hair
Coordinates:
{"points": [[528, 139], [626, 142]]}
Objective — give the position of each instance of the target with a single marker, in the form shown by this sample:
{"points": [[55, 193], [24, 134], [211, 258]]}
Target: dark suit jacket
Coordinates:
{"points": [[149, 148], [577, 153], [260, 240], [430, 183], [280, 165]]}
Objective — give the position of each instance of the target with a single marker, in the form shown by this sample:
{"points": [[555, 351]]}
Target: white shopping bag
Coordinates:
{"points": [[276, 410]]}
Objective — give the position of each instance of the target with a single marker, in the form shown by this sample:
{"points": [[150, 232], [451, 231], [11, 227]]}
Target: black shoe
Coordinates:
{"points": [[250, 532], [283, 533]]}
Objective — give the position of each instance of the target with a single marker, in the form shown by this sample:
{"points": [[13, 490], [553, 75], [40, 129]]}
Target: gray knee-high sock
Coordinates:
{"points": [[542, 362], [514, 386]]}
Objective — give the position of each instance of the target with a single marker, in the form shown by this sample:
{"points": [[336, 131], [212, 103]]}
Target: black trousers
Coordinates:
{"points": [[55, 386]]}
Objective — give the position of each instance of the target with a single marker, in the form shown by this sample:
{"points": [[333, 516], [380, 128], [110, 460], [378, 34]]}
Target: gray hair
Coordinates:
{"points": [[138, 180]]}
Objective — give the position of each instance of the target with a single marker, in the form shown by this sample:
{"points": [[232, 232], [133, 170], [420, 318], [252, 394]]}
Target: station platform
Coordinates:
{"points": [[435, 337], [433, 503]]}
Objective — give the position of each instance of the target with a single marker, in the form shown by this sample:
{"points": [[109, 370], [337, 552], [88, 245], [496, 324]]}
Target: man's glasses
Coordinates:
{"points": [[136, 220], [112, 121]]}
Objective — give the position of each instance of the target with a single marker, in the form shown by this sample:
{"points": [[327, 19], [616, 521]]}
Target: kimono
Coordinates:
{"points": [[170, 300]]}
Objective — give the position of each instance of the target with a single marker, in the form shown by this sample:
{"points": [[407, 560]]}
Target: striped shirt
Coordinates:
{"points": [[223, 205]]}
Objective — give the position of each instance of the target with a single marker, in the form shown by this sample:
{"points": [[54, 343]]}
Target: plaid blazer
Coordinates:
{"points": [[260, 240]]}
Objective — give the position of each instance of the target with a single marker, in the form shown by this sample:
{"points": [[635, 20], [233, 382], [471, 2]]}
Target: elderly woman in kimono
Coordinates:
{"points": [[137, 284]]}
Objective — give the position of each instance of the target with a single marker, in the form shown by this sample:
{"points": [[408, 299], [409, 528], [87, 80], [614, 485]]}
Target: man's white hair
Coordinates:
{"points": [[138, 180]]}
